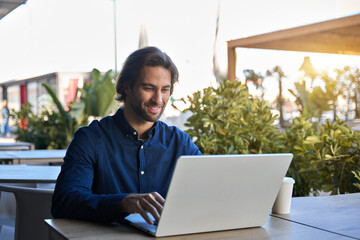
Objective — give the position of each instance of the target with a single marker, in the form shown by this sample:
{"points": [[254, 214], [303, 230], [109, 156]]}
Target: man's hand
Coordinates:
{"points": [[143, 203]]}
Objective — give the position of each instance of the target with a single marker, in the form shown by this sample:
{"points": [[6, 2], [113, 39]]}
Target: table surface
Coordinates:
{"points": [[16, 146], [329, 217], [28, 174], [338, 213], [275, 228], [33, 154]]}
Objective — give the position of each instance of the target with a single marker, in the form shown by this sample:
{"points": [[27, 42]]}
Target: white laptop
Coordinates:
{"points": [[218, 192]]}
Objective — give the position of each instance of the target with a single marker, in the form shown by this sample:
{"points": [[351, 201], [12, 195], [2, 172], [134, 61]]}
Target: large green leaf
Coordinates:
{"points": [[52, 93], [99, 97], [70, 122]]}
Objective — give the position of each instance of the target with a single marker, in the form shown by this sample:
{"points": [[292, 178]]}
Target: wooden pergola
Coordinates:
{"points": [[338, 36], [6, 6]]}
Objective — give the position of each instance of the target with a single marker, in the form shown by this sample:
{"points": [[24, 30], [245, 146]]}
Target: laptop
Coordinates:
{"points": [[218, 192]]}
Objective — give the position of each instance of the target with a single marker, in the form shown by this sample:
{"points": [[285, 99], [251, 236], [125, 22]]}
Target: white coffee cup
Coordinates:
{"points": [[283, 199]]}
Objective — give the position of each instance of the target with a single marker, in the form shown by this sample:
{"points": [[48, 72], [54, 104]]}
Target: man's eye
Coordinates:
{"points": [[148, 89], [166, 90]]}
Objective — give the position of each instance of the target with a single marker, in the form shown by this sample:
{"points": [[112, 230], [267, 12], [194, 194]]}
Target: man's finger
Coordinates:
{"points": [[143, 214], [143, 203], [148, 206], [156, 202], [159, 198]]}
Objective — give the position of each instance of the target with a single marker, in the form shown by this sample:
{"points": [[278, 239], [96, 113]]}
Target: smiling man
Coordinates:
{"points": [[123, 163]]}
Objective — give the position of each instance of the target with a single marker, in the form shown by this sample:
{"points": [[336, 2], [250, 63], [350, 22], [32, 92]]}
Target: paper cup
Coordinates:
{"points": [[283, 199]]}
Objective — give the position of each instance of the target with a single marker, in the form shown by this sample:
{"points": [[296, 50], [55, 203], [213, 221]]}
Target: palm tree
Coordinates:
{"points": [[256, 78], [309, 70], [350, 78], [280, 75], [333, 91], [301, 95]]}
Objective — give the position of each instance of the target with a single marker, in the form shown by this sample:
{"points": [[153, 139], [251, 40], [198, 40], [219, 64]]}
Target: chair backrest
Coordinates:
{"points": [[32, 207]]}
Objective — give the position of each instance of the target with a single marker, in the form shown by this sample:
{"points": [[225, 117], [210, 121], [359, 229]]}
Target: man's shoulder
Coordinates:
{"points": [[181, 139], [163, 126], [172, 130], [96, 127]]}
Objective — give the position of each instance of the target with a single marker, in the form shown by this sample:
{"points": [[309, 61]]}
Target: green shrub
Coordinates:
{"points": [[44, 130], [326, 158], [357, 176], [227, 120], [296, 134]]}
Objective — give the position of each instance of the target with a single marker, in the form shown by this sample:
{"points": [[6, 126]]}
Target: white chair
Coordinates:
{"points": [[32, 207]]}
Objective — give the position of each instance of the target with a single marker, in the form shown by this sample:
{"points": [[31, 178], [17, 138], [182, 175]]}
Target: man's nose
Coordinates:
{"points": [[157, 97]]}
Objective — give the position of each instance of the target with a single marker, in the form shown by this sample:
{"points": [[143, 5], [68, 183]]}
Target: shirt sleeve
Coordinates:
{"points": [[73, 196]]}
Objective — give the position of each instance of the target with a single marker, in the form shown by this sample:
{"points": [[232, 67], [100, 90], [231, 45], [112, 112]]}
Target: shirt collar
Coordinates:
{"points": [[126, 128]]}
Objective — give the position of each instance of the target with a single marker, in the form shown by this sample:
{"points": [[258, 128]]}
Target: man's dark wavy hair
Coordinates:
{"points": [[149, 56]]}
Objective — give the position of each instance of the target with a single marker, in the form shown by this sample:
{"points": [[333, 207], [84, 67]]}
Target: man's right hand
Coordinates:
{"points": [[143, 203]]}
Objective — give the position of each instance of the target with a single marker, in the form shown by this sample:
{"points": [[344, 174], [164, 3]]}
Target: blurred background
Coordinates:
{"points": [[60, 42]]}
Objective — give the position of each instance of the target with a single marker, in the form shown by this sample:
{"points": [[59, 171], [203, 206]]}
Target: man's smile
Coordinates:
{"points": [[154, 109]]}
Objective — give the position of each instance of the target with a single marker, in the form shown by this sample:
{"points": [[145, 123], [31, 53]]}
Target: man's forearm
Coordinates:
{"points": [[87, 206]]}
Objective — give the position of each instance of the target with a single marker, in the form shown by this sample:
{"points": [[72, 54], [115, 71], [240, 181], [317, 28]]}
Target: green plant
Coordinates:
{"points": [[277, 71], [227, 120], [70, 123], [333, 91], [311, 103], [324, 160], [55, 129], [357, 176], [299, 170], [97, 97], [350, 80], [44, 130], [337, 154], [256, 78], [97, 100]]}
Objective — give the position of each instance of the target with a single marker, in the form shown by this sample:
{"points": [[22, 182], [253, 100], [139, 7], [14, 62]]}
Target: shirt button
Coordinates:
{"points": [[127, 135], [142, 172], [142, 146], [134, 133]]}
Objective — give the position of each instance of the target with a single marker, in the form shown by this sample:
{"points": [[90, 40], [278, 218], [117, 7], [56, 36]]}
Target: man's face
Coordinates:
{"points": [[150, 93]]}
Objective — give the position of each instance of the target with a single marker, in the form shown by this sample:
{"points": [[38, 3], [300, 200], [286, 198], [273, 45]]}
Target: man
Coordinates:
{"points": [[123, 164]]}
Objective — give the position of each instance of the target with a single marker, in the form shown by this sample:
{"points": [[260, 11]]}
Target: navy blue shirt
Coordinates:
{"points": [[106, 161]]}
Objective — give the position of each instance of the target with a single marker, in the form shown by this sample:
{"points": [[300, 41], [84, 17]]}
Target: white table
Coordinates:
{"points": [[16, 146], [28, 174], [32, 156]]}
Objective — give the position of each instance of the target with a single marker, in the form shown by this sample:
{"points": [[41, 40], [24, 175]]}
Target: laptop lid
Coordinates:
{"points": [[220, 192]]}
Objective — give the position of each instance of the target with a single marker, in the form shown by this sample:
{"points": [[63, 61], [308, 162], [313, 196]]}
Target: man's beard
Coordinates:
{"points": [[142, 113]]}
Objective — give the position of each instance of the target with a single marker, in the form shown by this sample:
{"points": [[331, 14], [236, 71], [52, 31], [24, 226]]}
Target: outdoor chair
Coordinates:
{"points": [[32, 207]]}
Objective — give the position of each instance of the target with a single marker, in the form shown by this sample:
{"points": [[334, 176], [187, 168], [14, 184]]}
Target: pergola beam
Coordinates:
{"points": [[338, 36]]}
